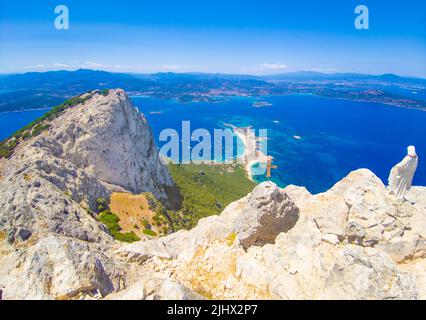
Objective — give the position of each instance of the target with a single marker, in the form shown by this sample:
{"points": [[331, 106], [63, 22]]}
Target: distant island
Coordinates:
{"points": [[261, 104]]}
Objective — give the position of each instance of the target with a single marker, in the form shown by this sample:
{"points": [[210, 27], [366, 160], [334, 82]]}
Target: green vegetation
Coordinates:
{"points": [[102, 204], [38, 126], [50, 115], [105, 92], [126, 237], [206, 191], [145, 223], [161, 216], [110, 220], [149, 232], [7, 147]]}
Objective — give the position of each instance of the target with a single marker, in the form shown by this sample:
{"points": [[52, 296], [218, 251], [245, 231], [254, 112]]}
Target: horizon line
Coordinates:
{"points": [[218, 73]]}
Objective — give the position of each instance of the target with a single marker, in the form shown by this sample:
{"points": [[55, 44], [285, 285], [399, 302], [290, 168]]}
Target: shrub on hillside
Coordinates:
{"points": [[149, 232]]}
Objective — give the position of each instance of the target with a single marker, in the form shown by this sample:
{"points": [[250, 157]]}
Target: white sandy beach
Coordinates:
{"points": [[252, 155]]}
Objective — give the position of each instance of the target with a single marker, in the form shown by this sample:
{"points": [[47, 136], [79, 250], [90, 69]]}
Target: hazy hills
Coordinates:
{"points": [[46, 89]]}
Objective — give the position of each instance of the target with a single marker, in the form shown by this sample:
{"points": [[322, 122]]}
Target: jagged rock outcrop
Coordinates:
{"points": [[317, 257], [354, 241], [112, 141], [54, 246], [59, 267], [270, 211]]}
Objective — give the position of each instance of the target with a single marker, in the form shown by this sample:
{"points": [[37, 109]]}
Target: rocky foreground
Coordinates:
{"points": [[353, 242]]}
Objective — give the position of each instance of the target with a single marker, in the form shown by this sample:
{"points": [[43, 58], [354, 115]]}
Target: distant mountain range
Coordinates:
{"points": [[45, 89], [345, 76]]}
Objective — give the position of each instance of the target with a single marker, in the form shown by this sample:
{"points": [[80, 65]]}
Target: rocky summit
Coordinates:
{"points": [[354, 241]]}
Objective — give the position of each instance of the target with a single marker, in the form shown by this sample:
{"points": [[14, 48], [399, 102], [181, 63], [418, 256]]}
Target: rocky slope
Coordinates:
{"points": [[353, 242], [50, 185]]}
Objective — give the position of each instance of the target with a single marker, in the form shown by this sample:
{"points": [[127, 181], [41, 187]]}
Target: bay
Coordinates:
{"points": [[315, 141]]}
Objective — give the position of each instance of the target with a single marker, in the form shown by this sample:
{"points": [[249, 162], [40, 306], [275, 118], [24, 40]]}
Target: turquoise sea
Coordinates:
{"points": [[336, 136]]}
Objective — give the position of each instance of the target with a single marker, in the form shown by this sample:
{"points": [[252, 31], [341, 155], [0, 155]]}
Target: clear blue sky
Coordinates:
{"points": [[247, 36]]}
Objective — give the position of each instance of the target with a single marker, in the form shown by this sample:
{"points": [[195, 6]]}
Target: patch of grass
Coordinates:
{"points": [[39, 128], [89, 212], [105, 92], [110, 220], [146, 223], [149, 232], [161, 216], [126, 237], [206, 190], [7, 147], [102, 204]]}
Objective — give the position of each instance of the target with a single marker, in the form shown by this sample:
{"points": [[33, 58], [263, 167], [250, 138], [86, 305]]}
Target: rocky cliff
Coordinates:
{"points": [[49, 187], [353, 242]]}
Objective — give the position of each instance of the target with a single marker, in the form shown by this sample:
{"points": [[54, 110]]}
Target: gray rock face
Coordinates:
{"points": [[358, 210], [269, 212], [53, 180], [59, 267], [372, 216], [92, 149], [367, 274], [312, 258], [113, 142]]}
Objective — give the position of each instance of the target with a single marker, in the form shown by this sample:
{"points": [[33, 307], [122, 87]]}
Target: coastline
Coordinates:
{"points": [[24, 110], [251, 155]]}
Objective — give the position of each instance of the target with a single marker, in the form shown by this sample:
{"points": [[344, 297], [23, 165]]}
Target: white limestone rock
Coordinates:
{"points": [[59, 267], [372, 217], [367, 274], [305, 261], [269, 212], [51, 245]]}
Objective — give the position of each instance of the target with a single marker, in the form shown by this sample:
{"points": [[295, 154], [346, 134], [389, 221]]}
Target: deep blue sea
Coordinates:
{"points": [[337, 136], [11, 122]]}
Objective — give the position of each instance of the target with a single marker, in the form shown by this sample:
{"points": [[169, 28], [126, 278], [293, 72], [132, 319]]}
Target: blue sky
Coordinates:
{"points": [[250, 36]]}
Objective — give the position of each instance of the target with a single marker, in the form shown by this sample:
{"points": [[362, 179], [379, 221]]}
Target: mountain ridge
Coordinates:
{"points": [[43, 90], [301, 73]]}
